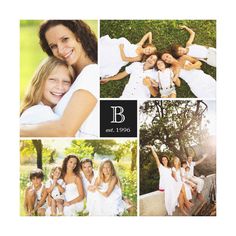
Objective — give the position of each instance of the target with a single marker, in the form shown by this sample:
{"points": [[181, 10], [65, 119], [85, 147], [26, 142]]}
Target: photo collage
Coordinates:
{"points": [[117, 118]]}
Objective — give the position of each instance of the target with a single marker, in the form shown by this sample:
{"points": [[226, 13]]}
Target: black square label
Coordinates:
{"points": [[118, 118]]}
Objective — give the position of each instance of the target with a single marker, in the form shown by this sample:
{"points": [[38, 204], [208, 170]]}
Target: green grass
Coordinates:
{"points": [[31, 53], [165, 33]]}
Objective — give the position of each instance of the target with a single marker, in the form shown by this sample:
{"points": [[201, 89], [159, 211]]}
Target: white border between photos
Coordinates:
{"points": [[12, 12]]}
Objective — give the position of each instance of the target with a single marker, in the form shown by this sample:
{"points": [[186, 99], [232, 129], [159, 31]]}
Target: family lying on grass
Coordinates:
{"points": [[178, 182], [151, 70], [67, 187]]}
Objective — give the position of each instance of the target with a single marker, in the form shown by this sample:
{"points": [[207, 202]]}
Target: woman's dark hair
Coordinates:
{"points": [[81, 31], [85, 160], [64, 165], [174, 50], [38, 173], [165, 156]]}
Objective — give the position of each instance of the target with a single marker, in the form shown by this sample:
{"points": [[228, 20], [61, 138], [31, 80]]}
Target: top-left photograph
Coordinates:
{"points": [[59, 78]]}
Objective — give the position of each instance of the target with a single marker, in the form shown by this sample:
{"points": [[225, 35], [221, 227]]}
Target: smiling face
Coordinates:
{"points": [[164, 161], [56, 85], [107, 170], [151, 61], [37, 182], [161, 65], [57, 173], [167, 58], [181, 51], [87, 169], [190, 159], [64, 44], [149, 50], [72, 163]]}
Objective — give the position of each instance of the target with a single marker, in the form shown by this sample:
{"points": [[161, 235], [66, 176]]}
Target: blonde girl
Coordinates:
{"points": [[50, 82], [55, 187], [107, 192]]}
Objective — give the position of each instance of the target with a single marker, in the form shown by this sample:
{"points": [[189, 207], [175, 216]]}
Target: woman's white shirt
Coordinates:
{"points": [[88, 79]]}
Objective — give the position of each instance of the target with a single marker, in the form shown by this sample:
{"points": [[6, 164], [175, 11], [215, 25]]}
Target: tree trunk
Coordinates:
{"points": [[39, 149], [134, 158]]}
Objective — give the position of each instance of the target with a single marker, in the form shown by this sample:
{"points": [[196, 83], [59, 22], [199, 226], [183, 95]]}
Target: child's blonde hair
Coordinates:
{"points": [[35, 91], [53, 170], [113, 171]]}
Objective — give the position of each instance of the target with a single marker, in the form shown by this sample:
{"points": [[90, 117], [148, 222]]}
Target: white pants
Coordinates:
{"points": [[199, 182]]}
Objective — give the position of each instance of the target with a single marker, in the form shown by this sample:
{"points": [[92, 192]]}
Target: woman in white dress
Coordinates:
{"points": [[183, 191], [73, 42], [74, 193], [50, 82], [168, 184], [203, 53], [107, 199], [202, 85], [116, 53]]}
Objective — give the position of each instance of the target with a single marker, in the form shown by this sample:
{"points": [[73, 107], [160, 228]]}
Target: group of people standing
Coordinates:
{"points": [[178, 182], [152, 71], [76, 188]]}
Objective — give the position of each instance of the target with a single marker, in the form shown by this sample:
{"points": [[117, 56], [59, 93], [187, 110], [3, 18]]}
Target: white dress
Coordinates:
{"points": [[135, 89], [110, 60], [206, 54], [37, 114], [71, 192], [88, 80], [167, 183], [202, 85], [107, 206], [56, 194]]}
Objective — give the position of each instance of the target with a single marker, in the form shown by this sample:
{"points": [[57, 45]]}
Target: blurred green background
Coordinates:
{"points": [[165, 33], [31, 53]]}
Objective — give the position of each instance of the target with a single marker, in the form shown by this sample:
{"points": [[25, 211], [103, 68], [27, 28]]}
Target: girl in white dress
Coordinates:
{"points": [[202, 85], [203, 53], [74, 193], [75, 43], [116, 53], [55, 187], [166, 80], [172, 189], [50, 82], [107, 199]]}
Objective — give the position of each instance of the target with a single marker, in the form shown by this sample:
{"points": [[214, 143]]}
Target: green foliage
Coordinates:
{"points": [[81, 148], [165, 33], [101, 147], [172, 127], [28, 152]]}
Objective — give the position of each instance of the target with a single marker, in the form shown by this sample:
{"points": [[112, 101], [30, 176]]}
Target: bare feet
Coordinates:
{"points": [[183, 212], [200, 197], [188, 204]]}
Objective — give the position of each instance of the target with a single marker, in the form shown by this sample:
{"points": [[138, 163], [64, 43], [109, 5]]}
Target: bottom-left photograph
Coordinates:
{"points": [[61, 177]]}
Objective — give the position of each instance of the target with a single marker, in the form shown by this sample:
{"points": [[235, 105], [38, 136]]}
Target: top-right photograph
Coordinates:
{"points": [[141, 59]]}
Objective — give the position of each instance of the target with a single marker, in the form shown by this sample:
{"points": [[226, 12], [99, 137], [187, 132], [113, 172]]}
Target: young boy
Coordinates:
{"points": [[35, 194]]}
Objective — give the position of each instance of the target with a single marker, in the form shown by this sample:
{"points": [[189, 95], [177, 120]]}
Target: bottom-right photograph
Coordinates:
{"points": [[177, 158]]}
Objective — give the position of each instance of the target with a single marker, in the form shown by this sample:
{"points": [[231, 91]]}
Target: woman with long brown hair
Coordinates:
{"points": [[73, 42]]}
